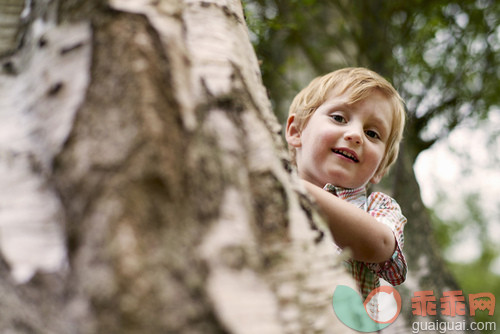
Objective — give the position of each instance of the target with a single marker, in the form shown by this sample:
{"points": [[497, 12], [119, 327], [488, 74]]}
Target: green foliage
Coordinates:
{"points": [[474, 276], [441, 55]]}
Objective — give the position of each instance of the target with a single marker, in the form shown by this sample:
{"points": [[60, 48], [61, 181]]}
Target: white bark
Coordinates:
{"points": [[295, 295], [261, 266], [38, 106]]}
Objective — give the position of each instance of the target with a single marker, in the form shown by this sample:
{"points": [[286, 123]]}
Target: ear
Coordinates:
{"points": [[292, 132]]}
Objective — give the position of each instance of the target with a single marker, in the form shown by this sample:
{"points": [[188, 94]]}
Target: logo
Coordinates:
{"points": [[380, 309], [452, 303]]}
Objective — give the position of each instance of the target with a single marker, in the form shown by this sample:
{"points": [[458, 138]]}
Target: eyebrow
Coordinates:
{"points": [[340, 105], [375, 118], [379, 120], [381, 123]]}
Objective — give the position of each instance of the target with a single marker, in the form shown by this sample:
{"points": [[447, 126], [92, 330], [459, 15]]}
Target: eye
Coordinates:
{"points": [[339, 118], [372, 134]]}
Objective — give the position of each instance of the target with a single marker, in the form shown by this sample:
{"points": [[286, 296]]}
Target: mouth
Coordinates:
{"points": [[346, 153]]}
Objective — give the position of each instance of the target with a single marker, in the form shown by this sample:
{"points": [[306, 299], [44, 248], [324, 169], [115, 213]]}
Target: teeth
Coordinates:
{"points": [[346, 154]]}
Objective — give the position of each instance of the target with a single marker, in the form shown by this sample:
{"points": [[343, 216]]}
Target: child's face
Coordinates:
{"points": [[343, 144]]}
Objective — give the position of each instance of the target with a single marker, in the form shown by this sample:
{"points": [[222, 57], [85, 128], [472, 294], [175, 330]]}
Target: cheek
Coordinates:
{"points": [[377, 155], [326, 136], [319, 139]]}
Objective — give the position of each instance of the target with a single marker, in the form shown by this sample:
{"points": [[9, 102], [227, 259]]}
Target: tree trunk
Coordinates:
{"points": [[141, 157], [427, 269]]}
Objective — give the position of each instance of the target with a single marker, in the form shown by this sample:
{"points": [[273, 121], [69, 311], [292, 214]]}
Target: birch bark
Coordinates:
{"points": [[145, 185]]}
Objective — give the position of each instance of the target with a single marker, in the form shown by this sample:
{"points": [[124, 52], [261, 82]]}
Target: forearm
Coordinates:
{"points": [[351, 227]]}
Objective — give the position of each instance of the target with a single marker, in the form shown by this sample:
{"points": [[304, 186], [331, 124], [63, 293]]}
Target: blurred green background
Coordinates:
{"points": [[444, 59]]}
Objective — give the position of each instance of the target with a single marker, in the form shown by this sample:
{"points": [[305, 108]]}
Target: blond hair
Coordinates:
{"points": [[359, 83]]}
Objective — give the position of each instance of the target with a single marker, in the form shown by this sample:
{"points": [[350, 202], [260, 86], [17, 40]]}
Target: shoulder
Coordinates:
{"points": [[378, 200], [386, 210]]}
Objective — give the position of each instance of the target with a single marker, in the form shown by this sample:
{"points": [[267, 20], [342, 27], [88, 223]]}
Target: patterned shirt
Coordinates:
{"points": [[385, 210]]}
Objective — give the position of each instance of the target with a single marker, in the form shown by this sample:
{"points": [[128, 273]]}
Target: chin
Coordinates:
{"points": [[340, 182]]}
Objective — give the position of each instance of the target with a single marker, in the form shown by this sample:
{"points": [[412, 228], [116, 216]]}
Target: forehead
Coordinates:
{"points": [[357, 93]]}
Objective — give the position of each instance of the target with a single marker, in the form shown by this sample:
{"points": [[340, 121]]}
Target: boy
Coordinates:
{"points": [[343, 132]]}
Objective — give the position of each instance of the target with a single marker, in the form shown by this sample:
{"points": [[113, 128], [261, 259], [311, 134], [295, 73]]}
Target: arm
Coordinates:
{"points": [[368, 239]]}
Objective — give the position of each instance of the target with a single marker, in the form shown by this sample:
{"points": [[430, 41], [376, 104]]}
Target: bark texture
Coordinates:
{"points": [[11, 20], [142, 155]]}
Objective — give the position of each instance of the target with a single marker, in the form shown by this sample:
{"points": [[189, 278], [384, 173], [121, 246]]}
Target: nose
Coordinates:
{"points": [[354, 134]]}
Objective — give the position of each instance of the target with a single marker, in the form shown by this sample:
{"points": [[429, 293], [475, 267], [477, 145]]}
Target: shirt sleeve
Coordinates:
{"points": [[387, 211]]}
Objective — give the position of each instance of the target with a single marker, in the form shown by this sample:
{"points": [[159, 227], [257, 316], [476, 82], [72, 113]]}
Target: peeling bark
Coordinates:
{"points": [[140, 151]]}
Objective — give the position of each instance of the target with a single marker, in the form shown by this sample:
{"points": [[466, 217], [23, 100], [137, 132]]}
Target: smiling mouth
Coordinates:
{"points": [[346, 154]]}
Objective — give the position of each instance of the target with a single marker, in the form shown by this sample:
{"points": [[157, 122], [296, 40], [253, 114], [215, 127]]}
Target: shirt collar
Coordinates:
{"points": [[356, 196]]}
